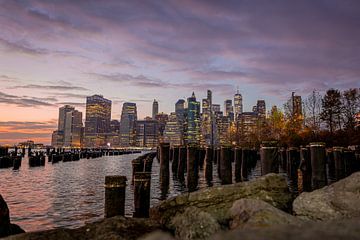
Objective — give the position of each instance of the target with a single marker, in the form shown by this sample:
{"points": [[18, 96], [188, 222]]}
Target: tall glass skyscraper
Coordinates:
{"points": [[193, 121], [128, 125], [155, 109], [228, 109], [97, 121], [238, 106]]}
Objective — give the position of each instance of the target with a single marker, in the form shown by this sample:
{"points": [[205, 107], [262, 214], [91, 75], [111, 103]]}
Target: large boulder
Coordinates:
{"points": [[194, 224], [7, 228], [337, 229], [253, 213], [217, 201], [115, 228], [338, 200]]}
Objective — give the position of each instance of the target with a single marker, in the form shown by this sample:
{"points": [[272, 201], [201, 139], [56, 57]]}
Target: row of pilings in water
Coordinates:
{"points": [[307, 168], [115, 187], [13, 159]]}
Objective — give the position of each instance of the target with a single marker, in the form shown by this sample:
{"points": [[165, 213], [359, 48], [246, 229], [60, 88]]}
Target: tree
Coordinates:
{"points": [[331, 109], [313, 110], [350, 106]]}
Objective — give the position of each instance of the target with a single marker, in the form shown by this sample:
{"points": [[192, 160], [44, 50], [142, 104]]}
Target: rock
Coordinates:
{"points": [[337, 229], [158, 235], [194, 224], [217, 201], [110, 228], [7, 228], [338, 200], [253, 213]]}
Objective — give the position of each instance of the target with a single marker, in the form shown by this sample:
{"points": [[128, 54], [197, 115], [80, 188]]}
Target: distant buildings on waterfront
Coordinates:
{"points": [[192, 122]]}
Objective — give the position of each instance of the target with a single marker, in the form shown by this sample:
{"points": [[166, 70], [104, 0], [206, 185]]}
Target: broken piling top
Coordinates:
{"points": [[269, 144], [317, 144], [115, 181]]}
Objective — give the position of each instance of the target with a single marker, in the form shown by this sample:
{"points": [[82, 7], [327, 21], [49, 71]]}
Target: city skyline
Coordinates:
{"points": [[57, 53]]}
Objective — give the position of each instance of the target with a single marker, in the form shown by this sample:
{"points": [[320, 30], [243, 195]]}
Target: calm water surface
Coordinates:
{"points": [[70, 194]]}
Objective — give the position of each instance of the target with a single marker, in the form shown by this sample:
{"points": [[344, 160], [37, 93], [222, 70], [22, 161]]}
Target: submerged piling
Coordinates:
{"points": [[318, 165], [142, 183], [192, 168], [164, 165], [269, 158], [115, 195], [225, 165], [209, 164], [238, 163], [182, 163]]}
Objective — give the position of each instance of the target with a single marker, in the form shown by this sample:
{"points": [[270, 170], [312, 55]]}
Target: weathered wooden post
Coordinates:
{"points": [[305, 168], [238, 163], [245, 162], [225, 165], [182, 163], [142, 182], [192, 168], [293, 166], [269, 158], [175, 161], [137, 166], [209, 164], [283, 159], [164, 165], [115, 187], [318, 165], [339, 163], [331, 165]]}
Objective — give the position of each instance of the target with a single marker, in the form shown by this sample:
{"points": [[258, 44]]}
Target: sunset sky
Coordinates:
{"points": [[58, 52]]}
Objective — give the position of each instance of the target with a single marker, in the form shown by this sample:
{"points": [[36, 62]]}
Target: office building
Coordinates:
{"points": [[97, 121], [193, 121], [155, 109], [238, 106], [147, 133], [128, 124], [228, 109], [173, 132], [73, 129]]}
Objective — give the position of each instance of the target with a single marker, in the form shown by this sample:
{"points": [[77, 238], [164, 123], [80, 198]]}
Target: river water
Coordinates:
{"points": [[70, 194]]}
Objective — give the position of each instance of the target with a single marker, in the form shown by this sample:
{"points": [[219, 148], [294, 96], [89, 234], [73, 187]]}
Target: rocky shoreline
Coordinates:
{"points": [[260, 209]]}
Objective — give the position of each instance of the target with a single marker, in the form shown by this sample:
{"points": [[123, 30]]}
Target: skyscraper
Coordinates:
{"points": [[155, 109], [147, 133], [296, 105], [128, 124], [261, 108], [238, 106], [193, 121], [73, 129], [207, 120], [180, 109], [228, 109], [70, 128], [97, 121], [173, 132], [62, 116]]}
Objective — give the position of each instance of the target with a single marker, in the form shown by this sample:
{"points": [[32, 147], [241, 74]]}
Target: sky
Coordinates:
{"points": [[57, 52]]}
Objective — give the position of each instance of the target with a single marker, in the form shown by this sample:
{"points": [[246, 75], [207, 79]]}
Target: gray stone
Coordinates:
{"points": [[338, 200], [253, 213], [194, 224], [110, 228], [217, 201], [337, 229]]}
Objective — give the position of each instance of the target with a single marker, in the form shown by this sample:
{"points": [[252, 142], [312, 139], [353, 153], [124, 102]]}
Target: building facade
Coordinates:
{"points": [[147, 133], [97, 121], [155, 109], [128, 125]]}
